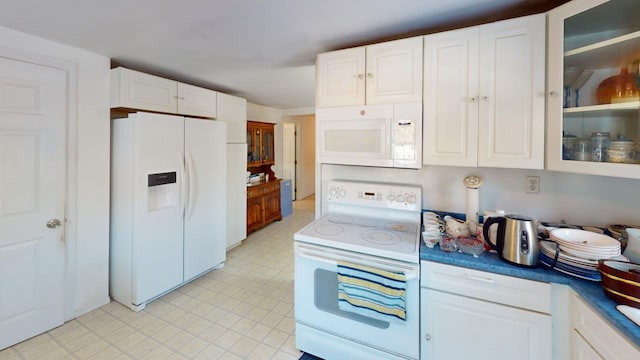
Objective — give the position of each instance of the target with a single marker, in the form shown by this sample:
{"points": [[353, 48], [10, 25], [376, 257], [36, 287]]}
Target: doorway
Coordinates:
{"points": [[301, 146], [289, 148]]}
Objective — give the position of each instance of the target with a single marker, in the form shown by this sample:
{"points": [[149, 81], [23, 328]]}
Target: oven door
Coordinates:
{"points": [[316, 301], [355, 135]]}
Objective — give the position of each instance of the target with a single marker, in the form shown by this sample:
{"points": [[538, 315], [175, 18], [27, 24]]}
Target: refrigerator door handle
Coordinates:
{"points": [[183, 187], [190, 176]]}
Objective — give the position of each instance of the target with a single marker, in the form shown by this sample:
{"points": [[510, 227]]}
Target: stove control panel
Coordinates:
{"points": [[379, 195]]}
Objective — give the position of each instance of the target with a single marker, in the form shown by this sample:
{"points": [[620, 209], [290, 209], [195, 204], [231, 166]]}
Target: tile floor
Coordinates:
{"points": [[243, 311]]}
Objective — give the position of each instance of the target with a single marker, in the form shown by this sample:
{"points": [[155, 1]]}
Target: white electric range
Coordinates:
{"points": [[370, 224]]}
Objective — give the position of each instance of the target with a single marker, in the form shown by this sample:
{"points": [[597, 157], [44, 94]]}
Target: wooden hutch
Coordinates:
{"points": [[263, 198]]}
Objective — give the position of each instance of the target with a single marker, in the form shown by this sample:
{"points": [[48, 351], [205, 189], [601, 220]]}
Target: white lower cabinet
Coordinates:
{"points": [[458, 327], [461, 326], [581, 348], [593, 337]]}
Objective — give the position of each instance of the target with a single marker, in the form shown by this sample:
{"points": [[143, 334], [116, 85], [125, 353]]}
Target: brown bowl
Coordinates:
{"points": [[621, 281]]}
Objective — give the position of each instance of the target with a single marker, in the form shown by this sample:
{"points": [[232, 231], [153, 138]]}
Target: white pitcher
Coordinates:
{"points": [[633, 245]]}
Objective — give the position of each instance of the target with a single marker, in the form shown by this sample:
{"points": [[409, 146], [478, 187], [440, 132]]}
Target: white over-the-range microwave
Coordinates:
{"points": [[372, 135]]}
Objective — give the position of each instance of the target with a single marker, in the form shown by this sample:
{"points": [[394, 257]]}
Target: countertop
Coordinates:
{"points": [[590, 291]]}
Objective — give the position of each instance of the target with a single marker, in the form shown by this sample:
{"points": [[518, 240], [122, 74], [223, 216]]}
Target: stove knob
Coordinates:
{"points": [[342, 193], [390, 197], [333, 192], [400, 198], [411, 199]]}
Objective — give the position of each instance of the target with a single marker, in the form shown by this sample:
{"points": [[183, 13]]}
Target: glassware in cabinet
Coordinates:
{"points": [[593, 42]]}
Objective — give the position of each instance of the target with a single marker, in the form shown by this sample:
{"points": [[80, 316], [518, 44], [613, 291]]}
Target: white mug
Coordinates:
{"points": [[426, 216], [434, 226], [431, 238]]}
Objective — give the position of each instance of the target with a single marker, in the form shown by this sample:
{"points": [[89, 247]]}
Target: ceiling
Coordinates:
{"points": [[263, 50]]}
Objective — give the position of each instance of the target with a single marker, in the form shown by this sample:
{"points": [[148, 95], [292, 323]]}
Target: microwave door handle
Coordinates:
{"points": [[409, 274]]}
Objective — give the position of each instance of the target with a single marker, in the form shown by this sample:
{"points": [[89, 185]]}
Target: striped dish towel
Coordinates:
{"points": [[372, 292]]}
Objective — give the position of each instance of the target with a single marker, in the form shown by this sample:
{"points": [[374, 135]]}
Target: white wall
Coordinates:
{"points": [[88, 226], [578, 199]]}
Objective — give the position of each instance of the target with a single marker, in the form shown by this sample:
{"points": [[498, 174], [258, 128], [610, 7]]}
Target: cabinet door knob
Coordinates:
{"points": [[54, 223], [360, 76], [484, 98], [427, 337], [472, 99], [370, 75], [553, 93]]}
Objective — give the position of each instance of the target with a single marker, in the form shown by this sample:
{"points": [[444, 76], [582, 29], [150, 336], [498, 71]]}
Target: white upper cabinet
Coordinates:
{"points": [[512, 93], [590, 41], [385, 73], [196, 101], [394, 72], [484, 100], [233, 111], [340, 78], [137, 90], [451, 98]]}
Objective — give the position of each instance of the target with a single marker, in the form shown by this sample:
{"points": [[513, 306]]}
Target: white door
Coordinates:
{"points": [[490, 331], [394, 72], [289, 156], [33, 103], [512, 93], [196, 101], [451, 98], [340, 78], [205, 219]]}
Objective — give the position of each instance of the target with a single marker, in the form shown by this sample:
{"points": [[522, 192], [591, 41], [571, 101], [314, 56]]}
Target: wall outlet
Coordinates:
{"points": [[533, 185]]}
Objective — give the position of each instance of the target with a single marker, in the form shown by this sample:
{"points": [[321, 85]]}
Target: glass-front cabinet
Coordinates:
{"points": [[593, 78], [260, 144]]}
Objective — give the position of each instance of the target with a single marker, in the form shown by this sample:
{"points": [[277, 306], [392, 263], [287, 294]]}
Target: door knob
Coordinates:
{"points": [[53, 223]]}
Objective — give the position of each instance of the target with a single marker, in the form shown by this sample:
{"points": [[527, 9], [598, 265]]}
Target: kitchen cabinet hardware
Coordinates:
{"points": [[480, 278]]}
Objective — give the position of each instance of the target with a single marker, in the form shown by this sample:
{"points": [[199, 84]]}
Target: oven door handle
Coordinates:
{"points": [[409, 273]]}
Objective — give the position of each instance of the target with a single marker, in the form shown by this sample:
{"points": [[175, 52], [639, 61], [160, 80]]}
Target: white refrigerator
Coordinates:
{"points": [[168, 201]]}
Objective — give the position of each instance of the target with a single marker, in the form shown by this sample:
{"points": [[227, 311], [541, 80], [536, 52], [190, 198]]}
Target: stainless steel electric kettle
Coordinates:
{"points": [[516, 239]]}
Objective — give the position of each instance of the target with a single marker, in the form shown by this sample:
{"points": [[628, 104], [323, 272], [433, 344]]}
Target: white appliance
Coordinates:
{"points": [[236, 194], [373, 135], [168, 201], [370, 224], [233, 111]]}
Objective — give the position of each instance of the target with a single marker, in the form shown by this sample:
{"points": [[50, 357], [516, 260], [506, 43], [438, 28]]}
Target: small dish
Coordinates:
{"points": [[470, 245]]}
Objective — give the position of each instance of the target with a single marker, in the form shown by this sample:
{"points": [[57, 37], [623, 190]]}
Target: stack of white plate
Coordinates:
{"points": [[585, 244], [568, 264], [578, 252]]}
